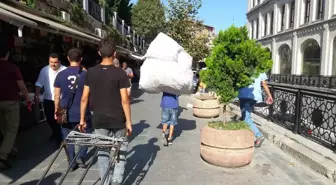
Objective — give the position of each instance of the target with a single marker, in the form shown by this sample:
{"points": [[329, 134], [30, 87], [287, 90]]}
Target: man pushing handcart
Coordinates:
{"points": [[100, 143]]}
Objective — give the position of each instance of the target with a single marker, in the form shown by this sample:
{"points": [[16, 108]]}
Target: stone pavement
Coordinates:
{"points": [[150, 163]]}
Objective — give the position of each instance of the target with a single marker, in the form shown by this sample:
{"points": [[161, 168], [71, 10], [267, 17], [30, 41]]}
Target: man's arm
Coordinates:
{"points": [[265, 86], [23, 89], [21, 84], [268, 92], [123, 85], [84, 103], [38, 86], [57, 98], [126, 104]]}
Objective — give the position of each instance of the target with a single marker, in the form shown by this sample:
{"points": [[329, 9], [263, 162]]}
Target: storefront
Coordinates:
{"points": [[33, 37], [31, 42]]}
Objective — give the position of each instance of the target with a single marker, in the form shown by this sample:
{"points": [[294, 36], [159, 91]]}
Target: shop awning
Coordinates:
{"points": [[52, 24], [15, 19], [137, 57]]}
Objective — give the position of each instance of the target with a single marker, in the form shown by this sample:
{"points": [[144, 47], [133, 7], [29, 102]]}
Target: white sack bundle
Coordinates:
{"points": [[167, 68]]}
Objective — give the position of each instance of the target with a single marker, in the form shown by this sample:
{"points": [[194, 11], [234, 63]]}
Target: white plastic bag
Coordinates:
{"points": [[165, 76], [167, 68], [164, 48]]}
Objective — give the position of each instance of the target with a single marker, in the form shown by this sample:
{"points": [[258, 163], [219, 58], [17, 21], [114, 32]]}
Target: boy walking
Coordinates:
{"points": [[69, 85], [169, 105], [248, 97], [107, 86]]}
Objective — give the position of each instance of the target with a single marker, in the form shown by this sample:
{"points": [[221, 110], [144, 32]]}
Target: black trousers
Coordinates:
{"points": [[49, 110]]}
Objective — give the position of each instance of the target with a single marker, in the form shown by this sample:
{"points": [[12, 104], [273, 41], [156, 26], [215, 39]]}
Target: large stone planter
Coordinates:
{"points": [[227, 148], [205, 106]]}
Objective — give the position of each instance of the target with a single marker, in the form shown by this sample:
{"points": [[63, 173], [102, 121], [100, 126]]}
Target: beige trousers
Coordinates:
{"points": [[9, 126]]}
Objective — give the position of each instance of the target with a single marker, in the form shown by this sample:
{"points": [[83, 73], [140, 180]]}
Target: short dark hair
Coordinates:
{"points": [[4, 48], [75, 55], [107, 47], [54, 55]]}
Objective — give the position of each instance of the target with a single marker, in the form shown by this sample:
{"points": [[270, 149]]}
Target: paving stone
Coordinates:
{"points": [[151, 163]]}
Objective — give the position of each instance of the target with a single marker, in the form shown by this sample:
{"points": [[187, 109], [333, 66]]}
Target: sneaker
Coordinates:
{"points": [[259, 141], [170, 141], [81, 162], [74, 168], [164, 139]]}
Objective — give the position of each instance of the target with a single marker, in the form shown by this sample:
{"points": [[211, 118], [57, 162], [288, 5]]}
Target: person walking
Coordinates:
{"points": [[248, 97], [169, 113], [111, 107], [12, 83], [130, 75], [46, 81], [69, 85]]}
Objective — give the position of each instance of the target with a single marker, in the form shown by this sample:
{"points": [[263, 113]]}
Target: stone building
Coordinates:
{"points": [[300, 34]]}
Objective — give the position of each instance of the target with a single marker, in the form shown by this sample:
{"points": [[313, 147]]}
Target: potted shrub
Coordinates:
{"points": [[206, 106], [227, 144], [233, 63]]}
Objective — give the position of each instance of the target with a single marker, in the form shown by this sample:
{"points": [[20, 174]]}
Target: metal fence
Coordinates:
{"points": [[310, 112], [305, 80], [126, 30]]}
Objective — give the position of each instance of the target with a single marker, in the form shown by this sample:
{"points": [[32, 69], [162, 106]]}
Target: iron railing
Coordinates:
{"points": [[95, 10], [310, 112], [118, 24], [305, 80], [126, 30]]}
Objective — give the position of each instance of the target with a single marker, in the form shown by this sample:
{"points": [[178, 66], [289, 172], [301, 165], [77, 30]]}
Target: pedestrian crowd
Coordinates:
{"points": [[94, 100]]}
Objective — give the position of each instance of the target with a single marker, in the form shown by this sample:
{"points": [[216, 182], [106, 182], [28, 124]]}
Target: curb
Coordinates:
{"points": [[320, 159]]}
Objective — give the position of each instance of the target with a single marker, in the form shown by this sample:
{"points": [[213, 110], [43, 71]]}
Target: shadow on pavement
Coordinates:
{"points": [[49, 180], [180, 110], [136, 101], [184, 125], [138, 128], [140, 162], [34, 148]]}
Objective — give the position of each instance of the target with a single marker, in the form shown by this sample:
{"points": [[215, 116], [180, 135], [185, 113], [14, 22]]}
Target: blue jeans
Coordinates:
{"points": [[246, 106], [169, 116], [66, 129], [104, 156]]}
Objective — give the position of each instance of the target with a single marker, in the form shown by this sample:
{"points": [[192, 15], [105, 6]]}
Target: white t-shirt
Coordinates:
{"points": [[46, 80]]}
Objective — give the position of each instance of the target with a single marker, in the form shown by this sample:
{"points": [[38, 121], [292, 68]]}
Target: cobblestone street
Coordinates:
{"points": [[150, 163]]}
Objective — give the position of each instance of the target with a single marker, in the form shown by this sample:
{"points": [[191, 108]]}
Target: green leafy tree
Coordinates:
{"points": [[233, 63], [184, 27], [148, 18]]}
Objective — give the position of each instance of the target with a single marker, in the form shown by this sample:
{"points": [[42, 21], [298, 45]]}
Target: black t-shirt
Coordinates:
{"points": [[105, 82]]}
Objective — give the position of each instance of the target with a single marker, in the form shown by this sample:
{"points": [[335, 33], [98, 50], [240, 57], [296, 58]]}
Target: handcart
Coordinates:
{"points": [[93, 140]]}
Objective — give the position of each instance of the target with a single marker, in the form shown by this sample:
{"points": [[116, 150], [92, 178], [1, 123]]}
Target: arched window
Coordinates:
{"points": [[285, 59], [311, 64]]}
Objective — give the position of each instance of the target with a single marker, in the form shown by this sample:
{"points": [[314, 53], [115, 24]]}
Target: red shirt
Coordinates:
{"points": [[9, 75]]}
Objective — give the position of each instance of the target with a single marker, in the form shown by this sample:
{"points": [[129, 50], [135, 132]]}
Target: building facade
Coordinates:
{"points": [[300, 34]]}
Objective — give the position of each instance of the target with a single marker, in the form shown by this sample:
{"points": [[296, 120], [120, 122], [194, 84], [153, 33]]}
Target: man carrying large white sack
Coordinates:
{"points": [[174, 77]]}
